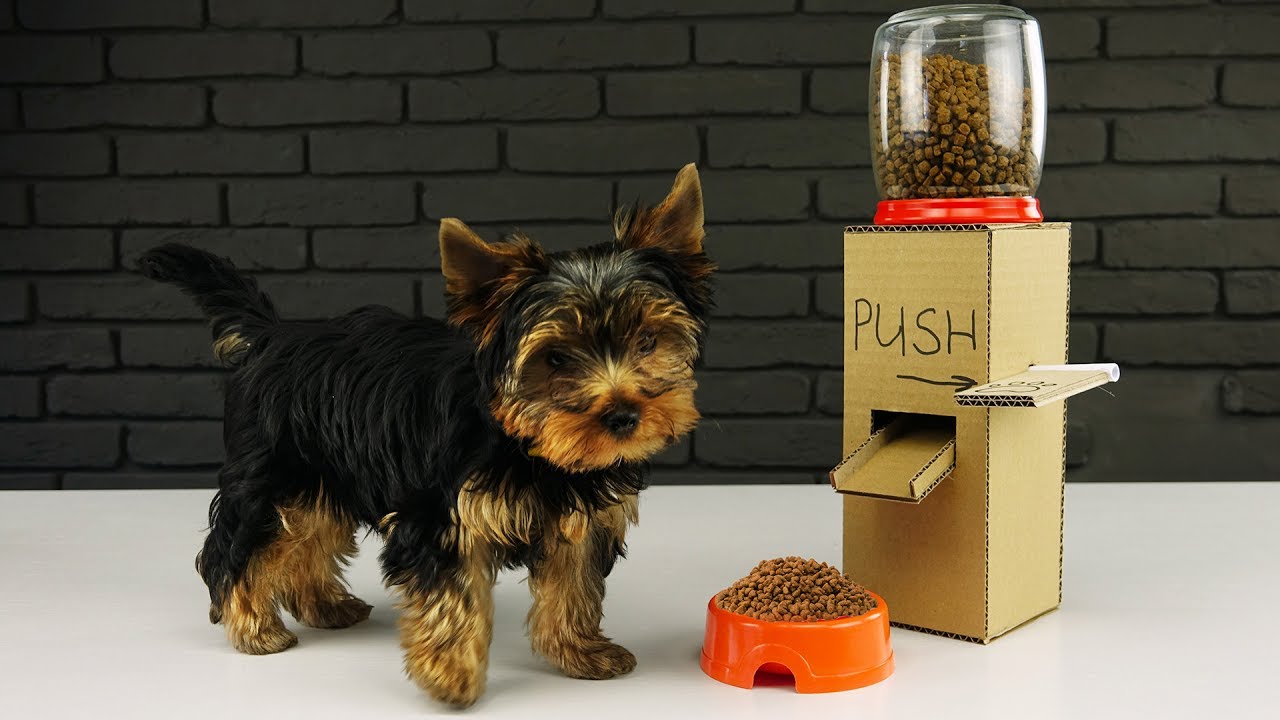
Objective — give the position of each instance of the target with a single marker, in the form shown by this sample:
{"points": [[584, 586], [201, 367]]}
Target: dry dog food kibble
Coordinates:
{"points": [[793, 589], [942, 139]]}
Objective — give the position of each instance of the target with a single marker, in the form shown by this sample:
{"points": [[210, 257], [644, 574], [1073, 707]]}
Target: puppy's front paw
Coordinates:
{"points": [[265, 641], [597, 659]]}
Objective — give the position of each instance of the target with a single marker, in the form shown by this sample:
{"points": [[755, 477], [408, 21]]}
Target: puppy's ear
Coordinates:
{"points": [[468, 262], [480, 276], [675, 225]]}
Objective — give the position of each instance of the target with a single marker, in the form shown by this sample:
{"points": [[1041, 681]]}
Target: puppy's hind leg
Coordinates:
{"points": [[313, 590]]}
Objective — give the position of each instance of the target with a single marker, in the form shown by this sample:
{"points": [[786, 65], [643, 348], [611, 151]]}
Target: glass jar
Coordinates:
{"points": [[958, 115]]}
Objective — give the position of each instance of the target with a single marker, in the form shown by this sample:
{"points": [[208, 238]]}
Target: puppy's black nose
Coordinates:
{"points": [[622, 420]]}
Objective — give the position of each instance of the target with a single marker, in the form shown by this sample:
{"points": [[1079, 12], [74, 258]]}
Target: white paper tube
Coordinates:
{"points": [[1111, 369]]}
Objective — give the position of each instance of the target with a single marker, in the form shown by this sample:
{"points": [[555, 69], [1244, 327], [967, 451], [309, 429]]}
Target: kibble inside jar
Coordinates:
{"points": [[951, 128]]}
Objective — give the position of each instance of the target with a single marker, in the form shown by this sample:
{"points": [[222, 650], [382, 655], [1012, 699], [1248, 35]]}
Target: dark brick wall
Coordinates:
{"points": [[317, 141]]}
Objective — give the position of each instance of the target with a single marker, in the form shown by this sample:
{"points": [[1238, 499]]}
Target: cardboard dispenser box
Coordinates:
{"points": [[954, 467]]}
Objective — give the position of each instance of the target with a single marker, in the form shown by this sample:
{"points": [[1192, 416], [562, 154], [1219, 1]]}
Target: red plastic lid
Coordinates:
{"points": [[959, 211]]}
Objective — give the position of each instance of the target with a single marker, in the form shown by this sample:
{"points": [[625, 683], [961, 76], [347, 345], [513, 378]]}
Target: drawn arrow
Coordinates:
{"points": [[958, 381]]}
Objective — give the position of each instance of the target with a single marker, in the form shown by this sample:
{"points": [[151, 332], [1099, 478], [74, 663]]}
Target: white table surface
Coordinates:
{"points": [[1171, 609]]}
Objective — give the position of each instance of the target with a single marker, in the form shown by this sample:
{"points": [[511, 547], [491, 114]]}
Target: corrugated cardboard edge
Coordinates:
{"points": [[1062, 502], [941, 476], [941, 633], [885, 435], [969, 227], [986, 465]]}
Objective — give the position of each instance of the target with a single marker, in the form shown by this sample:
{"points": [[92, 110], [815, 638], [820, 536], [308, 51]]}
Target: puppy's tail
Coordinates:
{"points": [[237, 309]]}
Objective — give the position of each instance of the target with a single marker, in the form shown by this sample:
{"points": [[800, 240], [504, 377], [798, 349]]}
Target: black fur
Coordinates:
{"points": [[375, 413]]}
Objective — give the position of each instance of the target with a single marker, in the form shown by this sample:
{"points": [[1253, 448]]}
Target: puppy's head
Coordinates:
{"points": [[588, 354]]}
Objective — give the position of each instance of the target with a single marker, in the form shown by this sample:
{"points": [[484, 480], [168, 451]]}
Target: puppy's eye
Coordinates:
{"points": [[557, 359], [647, 343]]}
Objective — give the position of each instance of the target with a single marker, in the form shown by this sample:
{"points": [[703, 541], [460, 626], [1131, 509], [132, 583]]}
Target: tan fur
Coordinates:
{"points": [[227, 347], [568, 597], [445, 632], [301, 570]]}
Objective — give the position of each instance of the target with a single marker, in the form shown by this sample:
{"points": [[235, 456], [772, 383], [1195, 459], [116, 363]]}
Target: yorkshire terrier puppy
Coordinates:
{"points": [[514, 434]]}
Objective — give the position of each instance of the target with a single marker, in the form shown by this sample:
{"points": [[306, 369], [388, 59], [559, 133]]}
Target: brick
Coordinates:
{"points": [[14, 302], [140, 481], [1083, 343], [1075, 140], [79, 349], [1070, 36], [1185, 243], [848, 198], [175, 444], [6, 14], [509, 198], [318, 297], [431, 297], [830, 393], [601, 148], [249, 248], [321, 202], [1208, 342], [782, 392], [307, 102], [56, 445], [1251, 84], [1193, 33], [181, 346], [95, 14], [122, 105], [9, 114], [839, 91], [1109, 85], [1198, 137], [785, 42], [1252, 292], [630, 9], [766, 295], [209, 153], [769, 343], [43, 249], [704, 92], [403, 149], [145, 202], [592, 46], [203, 54], [1084, 243], [775, 247], [313, 13], [407, 248], [195, 395], [789, 143], [1143, 293], [769, 443], [506, 10], [1252, 391], [50, 59], [1086, 192], [828, 295], [554, 237], [735, 196], [504, 97], [28, 481], [62, 154], [1072, 4], [19, 397], [426, 52], [1078, 443], [1172, 429], [846, 7], [113, 298], [729, 477], [13, 204], [1253, 193]]}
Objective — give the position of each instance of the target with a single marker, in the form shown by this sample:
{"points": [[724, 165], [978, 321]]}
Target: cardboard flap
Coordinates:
{"points": [[903, 461], [1038, 386]]}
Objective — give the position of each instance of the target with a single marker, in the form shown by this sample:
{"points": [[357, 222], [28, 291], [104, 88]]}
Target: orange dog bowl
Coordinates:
{"points": [[822, 656]]}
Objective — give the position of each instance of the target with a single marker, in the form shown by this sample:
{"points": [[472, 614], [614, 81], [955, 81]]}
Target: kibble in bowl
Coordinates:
{"points": [[795, 589]]}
